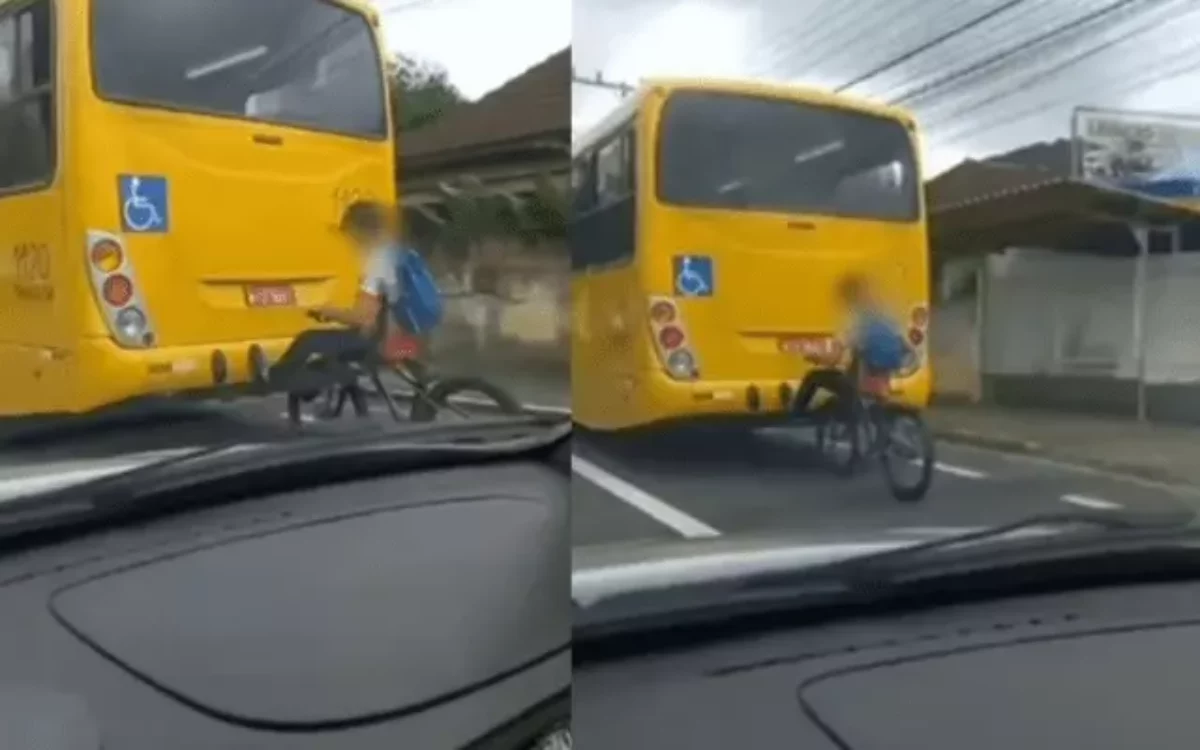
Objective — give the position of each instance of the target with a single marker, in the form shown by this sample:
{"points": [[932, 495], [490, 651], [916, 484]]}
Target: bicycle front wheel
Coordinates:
{"points": [[463, 396], [907, 454], [842, 439]]}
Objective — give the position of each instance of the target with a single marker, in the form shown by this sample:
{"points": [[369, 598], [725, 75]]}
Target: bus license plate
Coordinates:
{"points": [[808, 346], [270, 296]]}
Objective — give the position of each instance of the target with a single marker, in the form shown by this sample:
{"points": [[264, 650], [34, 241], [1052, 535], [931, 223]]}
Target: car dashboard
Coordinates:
{"points": [[419, 610], [1105, 669]]}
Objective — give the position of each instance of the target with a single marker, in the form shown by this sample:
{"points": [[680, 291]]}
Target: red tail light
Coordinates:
{"points": [[916, 336], [670, 337], [117, 290], [920, 317]]}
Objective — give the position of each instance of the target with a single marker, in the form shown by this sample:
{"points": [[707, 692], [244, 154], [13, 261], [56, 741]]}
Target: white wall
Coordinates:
{"points": [[1053, 313]]}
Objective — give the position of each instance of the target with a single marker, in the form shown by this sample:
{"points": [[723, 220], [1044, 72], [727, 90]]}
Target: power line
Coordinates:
{"points": [[941, 83], [780, 46], [936, 41], [1190, 66], [1045, 74]]}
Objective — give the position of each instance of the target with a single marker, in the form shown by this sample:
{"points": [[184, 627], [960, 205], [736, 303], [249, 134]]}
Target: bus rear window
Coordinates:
{"points": [[304, 63], [747, 153]]}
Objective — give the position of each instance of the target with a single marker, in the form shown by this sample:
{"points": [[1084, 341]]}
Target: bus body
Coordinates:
{"points": [[172, 177], [712, 223]]}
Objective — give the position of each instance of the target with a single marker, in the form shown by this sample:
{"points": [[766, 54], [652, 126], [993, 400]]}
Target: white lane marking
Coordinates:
{"points": [[667, 515], [959, 471], [1094, 503]]}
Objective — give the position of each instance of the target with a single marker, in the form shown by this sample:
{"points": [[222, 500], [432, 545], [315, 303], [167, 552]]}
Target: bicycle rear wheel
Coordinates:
{"points": [[907, 454], [461, 396]]}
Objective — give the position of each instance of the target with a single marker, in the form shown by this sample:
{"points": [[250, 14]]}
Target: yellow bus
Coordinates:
{"points": [[711, 224], [172, 175]]}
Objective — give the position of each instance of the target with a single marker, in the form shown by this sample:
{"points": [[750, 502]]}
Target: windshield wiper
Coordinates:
{"points": [[230, 473]]}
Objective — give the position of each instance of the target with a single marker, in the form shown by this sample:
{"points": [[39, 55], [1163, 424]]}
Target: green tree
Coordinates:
{"points": [[421, 92]]}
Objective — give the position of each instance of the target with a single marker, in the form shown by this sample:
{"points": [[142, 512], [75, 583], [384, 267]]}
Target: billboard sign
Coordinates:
{"points": [[1150, 153]]}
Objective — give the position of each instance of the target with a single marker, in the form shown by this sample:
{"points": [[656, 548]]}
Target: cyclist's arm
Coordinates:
{"points": [[377, 273]]}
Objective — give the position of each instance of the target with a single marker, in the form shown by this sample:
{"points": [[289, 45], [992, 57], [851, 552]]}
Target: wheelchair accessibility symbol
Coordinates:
{"points": [[693, 275], [144, 204]]}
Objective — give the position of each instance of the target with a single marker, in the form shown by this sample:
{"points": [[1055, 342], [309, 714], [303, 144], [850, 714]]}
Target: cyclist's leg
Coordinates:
{"points": [[338, 344], [827, 379]]}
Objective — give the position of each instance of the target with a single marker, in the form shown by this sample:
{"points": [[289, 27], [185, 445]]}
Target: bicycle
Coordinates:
{"points": [[429, 395], [870, 426]]}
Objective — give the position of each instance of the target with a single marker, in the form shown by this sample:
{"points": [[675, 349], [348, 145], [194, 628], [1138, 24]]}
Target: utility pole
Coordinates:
{"points": [[598, 81]]}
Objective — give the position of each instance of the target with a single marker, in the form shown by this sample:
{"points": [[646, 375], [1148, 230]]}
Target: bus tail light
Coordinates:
{"points": [[117, 290], [917, 335], [671, 340], [117, 294]]}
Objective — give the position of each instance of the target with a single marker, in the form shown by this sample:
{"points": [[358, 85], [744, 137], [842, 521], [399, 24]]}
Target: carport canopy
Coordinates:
{"points": [[1044, 214]]}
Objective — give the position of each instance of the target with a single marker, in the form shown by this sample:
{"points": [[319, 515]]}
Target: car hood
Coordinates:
{"points": [[603, 571]]}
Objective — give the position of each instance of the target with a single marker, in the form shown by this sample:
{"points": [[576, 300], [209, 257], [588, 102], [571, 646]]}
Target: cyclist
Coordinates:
{"points": [[367, 224], [874, 342]]}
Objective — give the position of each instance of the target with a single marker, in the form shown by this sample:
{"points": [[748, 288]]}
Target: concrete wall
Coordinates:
{"points": [[523, 325], [1058, 333], [953, 350]]}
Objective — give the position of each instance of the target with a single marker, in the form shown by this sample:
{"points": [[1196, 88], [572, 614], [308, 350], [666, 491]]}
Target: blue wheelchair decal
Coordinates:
{"points": [[145, 204], [693, 275]]}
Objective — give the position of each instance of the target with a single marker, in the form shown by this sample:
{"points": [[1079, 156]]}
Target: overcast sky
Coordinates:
{"points": [[481, 43], [1143, 55]]}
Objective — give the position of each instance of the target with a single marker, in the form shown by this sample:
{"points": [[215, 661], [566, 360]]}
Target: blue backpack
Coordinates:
{"points": [[419, 308], [883, 348]]}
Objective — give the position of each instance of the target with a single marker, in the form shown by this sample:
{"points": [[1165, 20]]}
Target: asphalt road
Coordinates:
{"points": [[686, 486]]}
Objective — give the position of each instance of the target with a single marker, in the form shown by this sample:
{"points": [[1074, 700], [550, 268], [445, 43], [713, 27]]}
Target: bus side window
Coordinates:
{"points": [[27, 127], [583, 200], [583, 184], [602, 227], [612, 171]]}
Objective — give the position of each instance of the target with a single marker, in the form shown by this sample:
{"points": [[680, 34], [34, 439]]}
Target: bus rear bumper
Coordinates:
{"points": [[110, 374], [765, 401]]}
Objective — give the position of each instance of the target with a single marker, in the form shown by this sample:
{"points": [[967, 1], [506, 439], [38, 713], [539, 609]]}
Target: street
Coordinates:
{"points": [[690, 487]]}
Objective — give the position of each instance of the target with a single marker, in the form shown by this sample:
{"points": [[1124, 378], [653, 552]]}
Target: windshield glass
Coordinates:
{"points": [[729, 151], [306, 63], [835, 293]]}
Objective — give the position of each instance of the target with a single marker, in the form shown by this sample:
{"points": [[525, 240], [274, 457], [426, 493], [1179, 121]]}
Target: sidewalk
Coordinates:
{"points": [[1162, 453]]}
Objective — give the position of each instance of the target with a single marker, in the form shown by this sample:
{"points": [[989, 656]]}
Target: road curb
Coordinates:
{"points": [[1005, 444]]}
